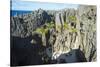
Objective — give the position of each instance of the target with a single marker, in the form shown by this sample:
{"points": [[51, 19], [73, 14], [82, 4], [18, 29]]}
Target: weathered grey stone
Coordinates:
{"points": [[79, 36]]}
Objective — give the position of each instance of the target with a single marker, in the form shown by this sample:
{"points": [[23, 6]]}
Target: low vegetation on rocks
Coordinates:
{"points": [[49, 37]]}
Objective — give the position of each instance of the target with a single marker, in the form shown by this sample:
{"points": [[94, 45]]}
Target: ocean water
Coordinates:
{"points": [[18, 12]]}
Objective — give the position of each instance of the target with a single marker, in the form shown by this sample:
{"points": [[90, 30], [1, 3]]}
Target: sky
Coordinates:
{"points": [[33, 5]]}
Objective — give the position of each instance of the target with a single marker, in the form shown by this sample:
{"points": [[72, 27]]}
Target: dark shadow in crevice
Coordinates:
{"points": [[23, 52], [76, 55]]}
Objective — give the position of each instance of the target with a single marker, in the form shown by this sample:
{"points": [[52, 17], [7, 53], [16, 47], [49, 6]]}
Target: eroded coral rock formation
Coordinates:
{"points": [[67, 35]]}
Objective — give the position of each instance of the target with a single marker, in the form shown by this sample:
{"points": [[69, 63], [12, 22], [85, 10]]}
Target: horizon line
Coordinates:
{"points": [[33, 5]]}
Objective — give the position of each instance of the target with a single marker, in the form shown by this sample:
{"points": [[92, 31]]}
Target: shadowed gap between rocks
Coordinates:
{"points": [[25, 53]]}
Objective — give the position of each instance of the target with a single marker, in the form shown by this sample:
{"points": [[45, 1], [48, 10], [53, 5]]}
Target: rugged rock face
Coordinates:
{"points": [[88, 31], [67, 35], [84, 38], [23, 25]]}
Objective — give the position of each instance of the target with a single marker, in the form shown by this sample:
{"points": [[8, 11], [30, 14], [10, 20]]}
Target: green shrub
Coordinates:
{"points": [[74, 30], [41, 30], [66, 26], [50, 25], [72, 18]]}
